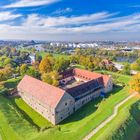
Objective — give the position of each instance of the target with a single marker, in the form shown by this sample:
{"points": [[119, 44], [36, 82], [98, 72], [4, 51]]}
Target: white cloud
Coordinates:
{"points": [[30, 3], [35, 19], [63, 11], [38, 27], [8, 16]]}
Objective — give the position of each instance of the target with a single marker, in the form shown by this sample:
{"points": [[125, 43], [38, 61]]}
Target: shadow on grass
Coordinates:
{"points": [[24, 115], [135, 111], [89, 108]]}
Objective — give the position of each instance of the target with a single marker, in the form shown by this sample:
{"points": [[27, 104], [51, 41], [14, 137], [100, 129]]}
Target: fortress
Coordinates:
{"points": [[76, 88]]}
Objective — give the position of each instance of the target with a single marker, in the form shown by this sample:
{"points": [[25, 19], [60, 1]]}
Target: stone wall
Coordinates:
{"points": [[86, 99], [45, 110], [109, 86], [65, 108]]}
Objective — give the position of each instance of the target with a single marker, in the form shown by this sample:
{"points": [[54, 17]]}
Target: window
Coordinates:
{"points": [[65, 104]]}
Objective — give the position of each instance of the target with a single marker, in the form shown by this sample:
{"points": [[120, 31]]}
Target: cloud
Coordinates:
{"points": [[63, 11], [30, 3], [4, 16], [35, 20], [135, 6], [45, 27]]}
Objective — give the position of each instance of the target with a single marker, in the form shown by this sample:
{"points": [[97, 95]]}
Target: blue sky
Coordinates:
{"points": [[70, 20]]}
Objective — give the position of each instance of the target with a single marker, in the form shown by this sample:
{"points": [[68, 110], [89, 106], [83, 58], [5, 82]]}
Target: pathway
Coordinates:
{"points": [[115, 112]]}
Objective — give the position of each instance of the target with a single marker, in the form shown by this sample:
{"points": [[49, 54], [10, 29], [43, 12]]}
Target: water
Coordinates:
{"points": [[126, 59]]}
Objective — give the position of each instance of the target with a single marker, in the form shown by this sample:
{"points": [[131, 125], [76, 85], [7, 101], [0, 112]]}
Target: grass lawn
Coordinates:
{"points": [[119, 77], [79, 66], [43, 54], [124, 113], [13, 125], [19, 121], [36, 118]]}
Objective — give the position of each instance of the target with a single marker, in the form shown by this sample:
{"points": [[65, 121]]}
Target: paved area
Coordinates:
{"points": [[115, 112]]}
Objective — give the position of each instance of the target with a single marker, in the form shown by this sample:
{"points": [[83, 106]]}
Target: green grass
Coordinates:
{"points": [[117, 76], [79, 66], [24, 122], [95, 112], [43, 54], [13, 124], [107, 132], [36, 118]]}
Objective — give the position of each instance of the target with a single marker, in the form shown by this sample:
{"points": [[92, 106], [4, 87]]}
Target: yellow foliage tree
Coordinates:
{"points": [[51, 78], [46, 65], [135, 83]]}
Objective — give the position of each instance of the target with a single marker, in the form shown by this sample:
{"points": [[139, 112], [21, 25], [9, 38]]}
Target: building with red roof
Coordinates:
{"points": [[77, 87]]}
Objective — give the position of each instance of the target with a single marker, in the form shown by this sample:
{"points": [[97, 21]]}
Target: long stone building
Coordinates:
{"points": [[76, 88]]}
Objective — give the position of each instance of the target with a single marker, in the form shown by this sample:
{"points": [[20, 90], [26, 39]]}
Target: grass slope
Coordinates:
{"points": [[36, 118], [122, 120], [75, 127]]}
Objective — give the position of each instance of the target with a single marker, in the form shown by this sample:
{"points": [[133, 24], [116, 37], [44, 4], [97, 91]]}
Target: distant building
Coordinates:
{"points": [[77, 87], [119, 66], [133, 72], [32, 58], [107, 62]]}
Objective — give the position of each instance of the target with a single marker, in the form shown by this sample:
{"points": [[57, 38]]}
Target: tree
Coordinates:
{"points": [[51, 78], [46, 65], [126, 69], [61, 64], [135, 83], [23, 69], [38, 57], [33, 72], [2, 75], [7, 61], [135, 66], [8, 71]]}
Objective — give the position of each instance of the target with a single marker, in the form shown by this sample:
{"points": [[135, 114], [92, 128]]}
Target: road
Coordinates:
{"points": [[115, 112]]}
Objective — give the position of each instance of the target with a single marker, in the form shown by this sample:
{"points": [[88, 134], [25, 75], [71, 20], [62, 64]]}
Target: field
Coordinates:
{"points": [[43, 54], [15, 113]]}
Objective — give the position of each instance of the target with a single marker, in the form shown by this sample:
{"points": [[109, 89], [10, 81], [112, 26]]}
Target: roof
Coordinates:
{"points": [[85, 74], [80, 90], [51, 95], [44, 92]]}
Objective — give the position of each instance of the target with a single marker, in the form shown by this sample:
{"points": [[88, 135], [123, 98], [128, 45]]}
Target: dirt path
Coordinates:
{"points": [[115, 112]]}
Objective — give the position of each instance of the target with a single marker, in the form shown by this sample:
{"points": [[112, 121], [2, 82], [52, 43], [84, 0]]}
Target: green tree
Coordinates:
{"points": [[23, 69], [61, 64], [51, 78], [7, 61], [126, 69]]}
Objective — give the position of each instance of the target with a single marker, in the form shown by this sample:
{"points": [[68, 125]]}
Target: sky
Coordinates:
{"points": [[70, 20]]}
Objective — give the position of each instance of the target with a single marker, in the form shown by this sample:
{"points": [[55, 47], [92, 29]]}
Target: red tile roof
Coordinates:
{"points": [[91, 75], [44, 92]]}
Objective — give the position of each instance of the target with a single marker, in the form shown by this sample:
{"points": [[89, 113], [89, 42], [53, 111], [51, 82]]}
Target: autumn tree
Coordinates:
{"points": [[135, 83], [135, 66], [23, 69], [46, 65], [51, 78]]}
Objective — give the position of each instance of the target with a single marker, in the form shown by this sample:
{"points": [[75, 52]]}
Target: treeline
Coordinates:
{"points": [[109, 54]]}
